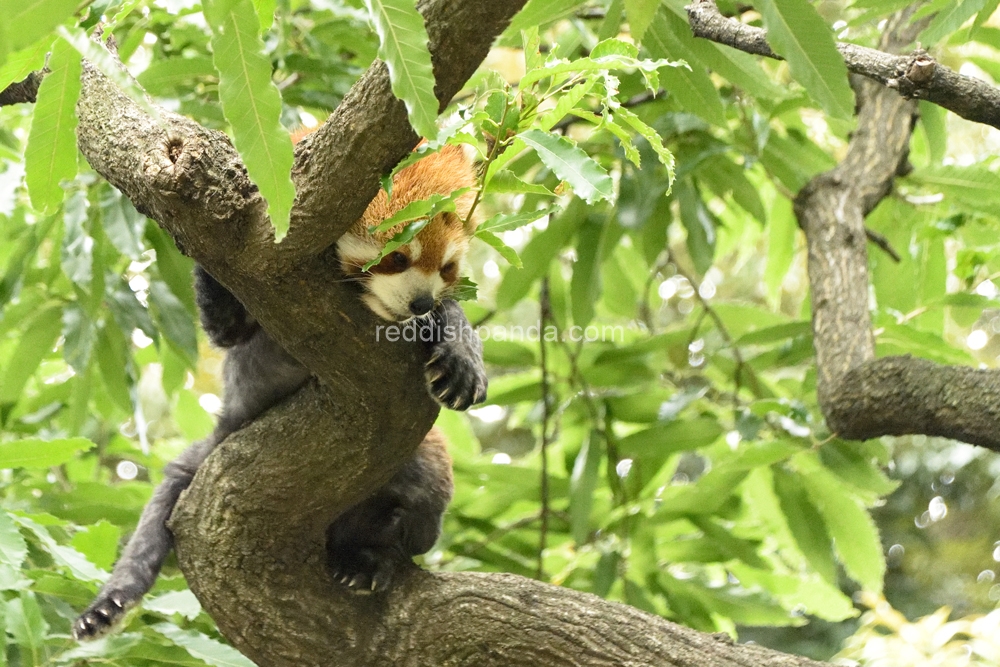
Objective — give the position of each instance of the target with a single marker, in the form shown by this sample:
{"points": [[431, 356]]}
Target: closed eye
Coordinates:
{"points": [[394, 262], [449, 272]]}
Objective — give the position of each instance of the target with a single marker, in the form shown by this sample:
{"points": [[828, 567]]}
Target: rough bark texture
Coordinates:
{"points": [[250, 530], [915, 75], [862, 397]]}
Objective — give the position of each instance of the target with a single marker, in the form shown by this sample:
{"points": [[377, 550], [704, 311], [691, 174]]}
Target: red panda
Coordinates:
{"points": [[366, 544]]}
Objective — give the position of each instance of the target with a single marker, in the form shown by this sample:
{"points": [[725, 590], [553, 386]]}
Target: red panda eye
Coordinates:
{"points": [[449, 271], [398, 261]]}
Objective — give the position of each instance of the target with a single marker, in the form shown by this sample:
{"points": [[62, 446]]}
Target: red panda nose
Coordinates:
{"points": [[422, 305]]}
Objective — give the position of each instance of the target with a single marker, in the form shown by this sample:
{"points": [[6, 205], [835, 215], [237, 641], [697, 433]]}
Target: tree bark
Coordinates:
{"points": [[862, 397], [250, 531], [916, 75]]}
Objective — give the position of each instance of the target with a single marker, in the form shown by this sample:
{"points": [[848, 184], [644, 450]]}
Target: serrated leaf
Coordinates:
{"points": [[202, 647], [950, 19], [35, 453], [50, 156], [799, 34], [853, 531], [29, 20], [423, 208], [506, 182], [564, 104], [403, 47], [608, 62], [589, 180], [13, 548], [68, 557], [502, 222], [252, 104], [650, 135], [497, 244]]}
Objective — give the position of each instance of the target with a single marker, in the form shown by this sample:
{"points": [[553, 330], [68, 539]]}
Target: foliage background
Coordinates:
{"points": [[680, 465]]}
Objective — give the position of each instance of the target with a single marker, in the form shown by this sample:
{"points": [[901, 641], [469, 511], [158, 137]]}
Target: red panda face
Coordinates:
{"points": [[409, 281]]}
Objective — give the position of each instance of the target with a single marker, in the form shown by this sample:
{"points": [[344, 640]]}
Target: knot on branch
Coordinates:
{"points": [[915, 74]]}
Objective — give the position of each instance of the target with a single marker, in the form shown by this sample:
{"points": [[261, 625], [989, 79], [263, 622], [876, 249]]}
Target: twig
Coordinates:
{"points": [[883, 243], [545, 316]]}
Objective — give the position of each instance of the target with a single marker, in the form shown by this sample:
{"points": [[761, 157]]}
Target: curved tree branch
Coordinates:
{"points": [[916, 75]]}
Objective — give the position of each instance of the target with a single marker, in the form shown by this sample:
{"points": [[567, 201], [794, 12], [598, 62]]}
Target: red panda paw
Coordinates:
{"points": [[455, 372]]}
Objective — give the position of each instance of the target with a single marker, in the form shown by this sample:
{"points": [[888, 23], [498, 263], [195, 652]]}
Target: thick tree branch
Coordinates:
{"points": [[251, 529], [916, 75], [272, 597], [862, 397]]}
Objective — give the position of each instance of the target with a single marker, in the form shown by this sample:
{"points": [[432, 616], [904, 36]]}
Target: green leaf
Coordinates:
{"points": [[854, 533], [173, 319], [805, 523], [585, 285], [77, 245], [497, 244], [700, 225], [502, 222], [162, 77], [252, 104], [22, 63], [650, 135], [583, 483], [421, 209], [538, 253], [506, 182], [403, 47], [26, 624], [202, 647], [13, 548], [123, 225], [782, 238], [609, 61], [29, 20], [67, 557], [35, 453], [50, 156], [78, 336], [691, 86], [949, 20], [265, 13], [99, 543], [658, 442], [798, 33], [176, 602], [589, 180], [640, 14], [36, 342], [540, 12]]}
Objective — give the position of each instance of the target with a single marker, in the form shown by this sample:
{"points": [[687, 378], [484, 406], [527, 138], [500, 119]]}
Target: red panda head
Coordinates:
{"points": [[409, 281]]}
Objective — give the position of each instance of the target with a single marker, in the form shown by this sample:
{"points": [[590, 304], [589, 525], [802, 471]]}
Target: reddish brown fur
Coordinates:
{"points": [[438, 173]]}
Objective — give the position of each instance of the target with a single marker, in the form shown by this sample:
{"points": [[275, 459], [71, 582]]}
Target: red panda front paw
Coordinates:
{"points": [[455, 373], [455, 380]]}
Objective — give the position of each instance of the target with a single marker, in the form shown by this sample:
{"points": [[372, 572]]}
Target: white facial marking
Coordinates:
{"points": [[389, 295], [355, 252], [449, 252], [415, 249]]}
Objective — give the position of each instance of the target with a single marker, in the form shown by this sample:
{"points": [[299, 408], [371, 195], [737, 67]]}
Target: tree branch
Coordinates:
{"points": [[916, 75], [22, 91], [860, 396]]}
